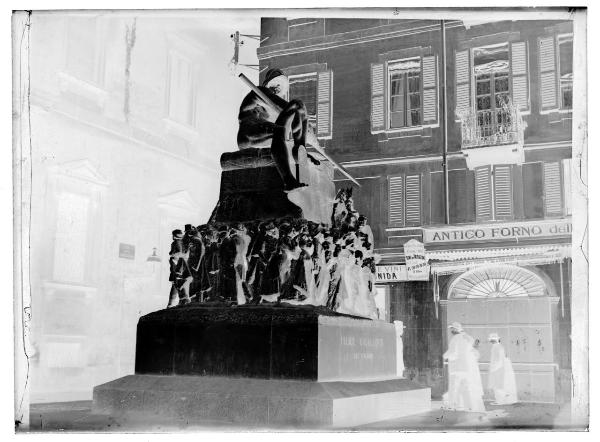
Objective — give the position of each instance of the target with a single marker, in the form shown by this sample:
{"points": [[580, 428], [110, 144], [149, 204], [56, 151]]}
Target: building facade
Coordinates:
{"points": [[378, 92], [121, 155]]}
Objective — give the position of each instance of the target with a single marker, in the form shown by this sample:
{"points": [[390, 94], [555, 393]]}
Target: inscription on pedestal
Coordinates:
{"points": [[355, 349]]}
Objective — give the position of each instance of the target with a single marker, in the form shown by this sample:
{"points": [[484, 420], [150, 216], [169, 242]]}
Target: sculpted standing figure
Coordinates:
{"points": [[209, 268], [290, 253], [301, 287], [365, 229], [263, 126], [227, 272], [241, 240], [196, 251], [261, 281], [176, 254], [339, 212], [255, 263], [399, 326]]}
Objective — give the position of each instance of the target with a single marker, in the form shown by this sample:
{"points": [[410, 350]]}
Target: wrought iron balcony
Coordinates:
{"points": [[492, 127]]}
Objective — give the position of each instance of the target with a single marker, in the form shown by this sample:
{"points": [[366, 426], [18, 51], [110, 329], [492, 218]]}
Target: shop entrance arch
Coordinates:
{"points": [[519, 304]]}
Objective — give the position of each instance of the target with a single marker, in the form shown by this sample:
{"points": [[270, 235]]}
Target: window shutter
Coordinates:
{"points": [[463, 81], [503, 200], [552, 189], [413, 200], [567, 197], [430, 94], [462, 203], [519, 75], [324, 102], [547, 61], [533, 190], [436, 197], [483, 194], [377, 97], [396, 192]]}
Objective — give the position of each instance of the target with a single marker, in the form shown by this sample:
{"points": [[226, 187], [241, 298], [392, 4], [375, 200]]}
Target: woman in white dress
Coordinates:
{"points": [[502, 376], [465, 390]]}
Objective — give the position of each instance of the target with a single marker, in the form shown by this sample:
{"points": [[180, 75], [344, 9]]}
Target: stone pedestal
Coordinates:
{"points": [[192, 400], [269, 342], [264, 365], [252, 189]]}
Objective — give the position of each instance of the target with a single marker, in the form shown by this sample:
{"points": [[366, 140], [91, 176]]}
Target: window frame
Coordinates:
{"points": [[315, 75], [492, 177], [558, 66], [388, 96], [492, 81], [403, 223], [193, 124], [98, 79], [470, 47]]}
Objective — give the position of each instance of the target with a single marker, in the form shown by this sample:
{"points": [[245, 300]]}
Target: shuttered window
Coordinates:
{"points": [[499, 71], [413, 200], [396, 197], [565, 70], [315, 91], [483, 194], [404, 99], [547, 68], [503, 192], [430, 93], [546, 189], [463, 81], [436, 198], [405, 200], [567, 197], [404, 93], [533, 190], [461, 194], [304, 87], [324, 98], [519, 75], [377, 97], [491, 68], [552, 189]]}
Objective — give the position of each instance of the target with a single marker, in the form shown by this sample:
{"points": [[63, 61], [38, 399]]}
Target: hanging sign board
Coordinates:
{"points": [[126, 251], [391, 273], [417, 268]]}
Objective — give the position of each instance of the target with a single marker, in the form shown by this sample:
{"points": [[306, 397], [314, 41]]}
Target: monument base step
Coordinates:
{"points": [[259, 402]]}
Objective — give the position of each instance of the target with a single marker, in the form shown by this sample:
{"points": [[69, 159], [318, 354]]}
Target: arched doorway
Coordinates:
{"points": [[519, 304]]}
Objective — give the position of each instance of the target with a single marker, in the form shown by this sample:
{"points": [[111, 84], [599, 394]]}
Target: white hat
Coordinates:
{"points": [[457, 326], [493, 337]]}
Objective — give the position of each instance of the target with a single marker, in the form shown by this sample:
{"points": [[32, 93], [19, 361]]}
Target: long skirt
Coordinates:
{"points": [[269, 283], [228, 283]]}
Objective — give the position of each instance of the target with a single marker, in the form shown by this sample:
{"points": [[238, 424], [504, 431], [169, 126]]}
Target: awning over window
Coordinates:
{"points": [[492, 67], [454, 261], [491, 59], [412, 64]]}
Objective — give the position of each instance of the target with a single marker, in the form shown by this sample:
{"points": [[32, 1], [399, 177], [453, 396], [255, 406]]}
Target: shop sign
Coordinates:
{"points": [[504, 231], [391, 273], [126, 251], [416, 264]]}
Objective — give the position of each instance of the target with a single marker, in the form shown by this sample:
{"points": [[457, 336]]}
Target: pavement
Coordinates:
{"points": [[78, 417]]}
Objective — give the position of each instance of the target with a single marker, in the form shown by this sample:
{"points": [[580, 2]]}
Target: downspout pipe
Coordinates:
{"points": [[444, 126]]}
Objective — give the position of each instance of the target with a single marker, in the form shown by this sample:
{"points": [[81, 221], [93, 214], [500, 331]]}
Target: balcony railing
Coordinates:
{"points": [[491, 127]]}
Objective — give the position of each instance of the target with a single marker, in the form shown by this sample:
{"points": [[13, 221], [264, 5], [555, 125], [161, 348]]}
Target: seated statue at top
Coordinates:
{"points": [[283, 129]]}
